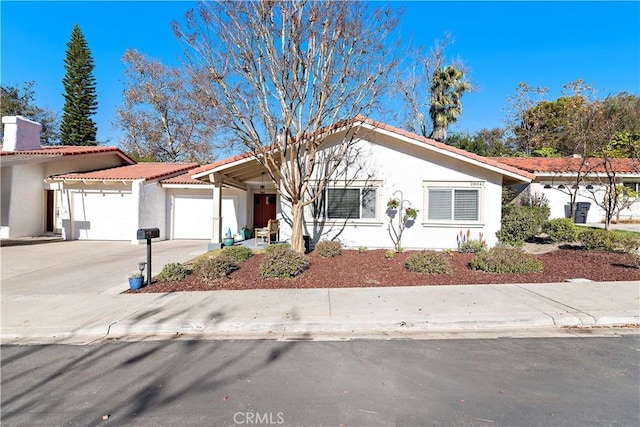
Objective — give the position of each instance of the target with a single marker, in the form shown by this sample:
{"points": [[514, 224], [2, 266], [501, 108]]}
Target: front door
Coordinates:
{"points": [[264, 209], [50, 212]]}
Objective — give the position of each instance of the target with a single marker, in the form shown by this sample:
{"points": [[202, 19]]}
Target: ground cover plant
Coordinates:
{"points": [[355, 268], [428, 262], [502, 259], [328, 248]]}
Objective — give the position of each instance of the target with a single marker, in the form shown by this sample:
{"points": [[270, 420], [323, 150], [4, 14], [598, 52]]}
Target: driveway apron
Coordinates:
{"points": [[93, 267]]}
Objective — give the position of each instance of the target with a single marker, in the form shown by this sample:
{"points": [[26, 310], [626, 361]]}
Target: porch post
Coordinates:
{"points": [[216, 232]]}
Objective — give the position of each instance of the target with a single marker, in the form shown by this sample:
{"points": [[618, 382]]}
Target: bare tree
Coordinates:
{"points": [[285, 76], [522, 122], [162, 115]]}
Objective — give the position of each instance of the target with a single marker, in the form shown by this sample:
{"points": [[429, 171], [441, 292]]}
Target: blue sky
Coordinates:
{"points": [[503, 43]]}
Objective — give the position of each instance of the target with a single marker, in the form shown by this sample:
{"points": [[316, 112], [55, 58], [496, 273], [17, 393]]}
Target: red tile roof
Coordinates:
{"points": [[539, 165], [66, 150], [185, 178], [427, 141], [145, 171]]}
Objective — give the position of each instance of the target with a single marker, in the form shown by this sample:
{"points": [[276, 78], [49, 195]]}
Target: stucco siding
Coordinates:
{"points": [[24, 211], [151, 206], [398, 170]]}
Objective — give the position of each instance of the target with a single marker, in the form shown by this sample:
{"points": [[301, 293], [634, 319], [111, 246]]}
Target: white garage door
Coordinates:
{"points": [[193, 216], [103, 215]]}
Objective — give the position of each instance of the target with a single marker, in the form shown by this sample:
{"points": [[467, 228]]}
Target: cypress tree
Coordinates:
{"points": [[80, 99]]}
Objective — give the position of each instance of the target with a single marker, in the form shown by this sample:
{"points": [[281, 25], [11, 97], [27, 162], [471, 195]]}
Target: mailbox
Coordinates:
{"points": [[148, 233]]}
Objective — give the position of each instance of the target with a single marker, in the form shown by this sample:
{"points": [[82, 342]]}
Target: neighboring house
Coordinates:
{"points": [[99, 193], [557, 178], [31, 205], [453, 189]]}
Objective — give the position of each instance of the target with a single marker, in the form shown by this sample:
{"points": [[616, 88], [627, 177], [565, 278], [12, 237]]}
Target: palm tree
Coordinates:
{"points": [[447, 89]]}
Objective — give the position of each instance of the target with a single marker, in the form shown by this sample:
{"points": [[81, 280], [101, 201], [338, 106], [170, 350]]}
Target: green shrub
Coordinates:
{"points": [[362, 250], [521, 223], [278, 247], [282, 263], [472, 246], [389, 254], [428, 262], [215, 268], [328, 248], [501, 259], [606, 240], [237, 253], [173, 272], [561, 230]]}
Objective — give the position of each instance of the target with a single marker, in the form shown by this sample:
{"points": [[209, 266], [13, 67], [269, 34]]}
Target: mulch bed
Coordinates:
{"points": [[370, 269]]}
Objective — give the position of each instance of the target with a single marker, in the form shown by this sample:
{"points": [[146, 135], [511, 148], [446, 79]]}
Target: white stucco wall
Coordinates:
{"points": [[151, 207], [394, 166], [23, 200]]}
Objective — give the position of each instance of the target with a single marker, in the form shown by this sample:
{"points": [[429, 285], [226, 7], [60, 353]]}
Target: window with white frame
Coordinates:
{"points": [[351, 203], [453, 202]]}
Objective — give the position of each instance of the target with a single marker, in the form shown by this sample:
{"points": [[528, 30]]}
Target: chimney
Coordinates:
{"points": [[20, 134]]}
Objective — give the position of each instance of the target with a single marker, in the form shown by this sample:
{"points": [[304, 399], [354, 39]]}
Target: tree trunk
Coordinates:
{"points": [[439, 133], [297, 241]]}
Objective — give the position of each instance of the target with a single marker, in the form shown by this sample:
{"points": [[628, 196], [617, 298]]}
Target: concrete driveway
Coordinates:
{"points": [[91, 267]]}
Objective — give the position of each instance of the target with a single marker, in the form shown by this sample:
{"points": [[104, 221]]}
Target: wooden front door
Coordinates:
{"points": [[264, 209], [50, 212]]}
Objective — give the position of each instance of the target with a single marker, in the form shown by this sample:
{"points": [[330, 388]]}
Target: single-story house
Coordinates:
{"points": [[557, 178], [453, 190], [100, 193], [30, 205]]}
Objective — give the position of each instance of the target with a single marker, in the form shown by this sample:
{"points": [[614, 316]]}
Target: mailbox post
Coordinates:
{"points": [[148, 233]]}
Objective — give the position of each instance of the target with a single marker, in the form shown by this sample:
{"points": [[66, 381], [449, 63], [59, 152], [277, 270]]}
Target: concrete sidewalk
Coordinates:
{"points": [[317, 313]]}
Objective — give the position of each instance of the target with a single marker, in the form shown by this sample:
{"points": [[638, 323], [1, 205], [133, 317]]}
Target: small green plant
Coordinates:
{"points": [[328, 248], [606, 240], [135, 274], [237, 253], [428, 262], [173, 272], [468, 245], [362, 250], [389, 254], [560, 230], [282, 263], [501, 259], [216, 268]]}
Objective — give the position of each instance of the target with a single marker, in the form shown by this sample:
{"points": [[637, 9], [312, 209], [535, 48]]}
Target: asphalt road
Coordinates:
{"points": [[483, 382]]}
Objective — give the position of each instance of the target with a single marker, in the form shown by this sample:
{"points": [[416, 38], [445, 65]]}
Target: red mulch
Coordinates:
{"points": [[353, 269]]}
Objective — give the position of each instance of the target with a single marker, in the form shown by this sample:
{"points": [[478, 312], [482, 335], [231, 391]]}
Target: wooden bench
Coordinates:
{"points": [[265, 233]]}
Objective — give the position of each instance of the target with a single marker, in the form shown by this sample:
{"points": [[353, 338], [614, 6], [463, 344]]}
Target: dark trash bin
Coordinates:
{"points": [[580, 215], [307, 244]]}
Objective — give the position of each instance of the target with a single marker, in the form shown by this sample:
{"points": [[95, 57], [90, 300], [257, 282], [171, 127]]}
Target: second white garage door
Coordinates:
{"points": [[193, 216]]}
